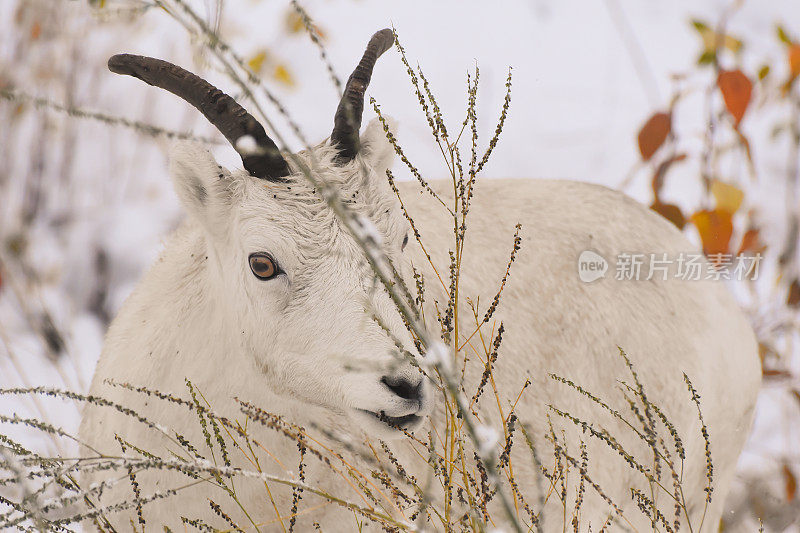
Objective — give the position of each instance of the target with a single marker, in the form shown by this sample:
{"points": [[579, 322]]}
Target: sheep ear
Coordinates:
{"points": [[375, 147], [203, 187]]}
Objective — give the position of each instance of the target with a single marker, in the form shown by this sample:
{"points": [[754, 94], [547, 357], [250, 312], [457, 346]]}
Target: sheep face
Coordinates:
{"points": [[284, 279], [293, 287]]}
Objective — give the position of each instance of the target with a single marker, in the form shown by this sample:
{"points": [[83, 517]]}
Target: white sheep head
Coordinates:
{"points": [[289, 284]]}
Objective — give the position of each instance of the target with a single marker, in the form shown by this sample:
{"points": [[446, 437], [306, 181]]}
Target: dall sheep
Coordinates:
{"points": [[261, 295]]}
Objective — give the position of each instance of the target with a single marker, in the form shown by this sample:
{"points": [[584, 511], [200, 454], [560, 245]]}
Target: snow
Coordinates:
{"points": [[366, 231], [246, 145], [487, 438], [438, 355]]}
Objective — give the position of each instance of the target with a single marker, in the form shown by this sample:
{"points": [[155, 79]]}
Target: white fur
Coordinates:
{"points": [[302, 345]]}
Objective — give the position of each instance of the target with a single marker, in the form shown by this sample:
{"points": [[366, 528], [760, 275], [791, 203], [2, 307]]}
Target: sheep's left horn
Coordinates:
{"points": [[347, 120], [231, 119]]}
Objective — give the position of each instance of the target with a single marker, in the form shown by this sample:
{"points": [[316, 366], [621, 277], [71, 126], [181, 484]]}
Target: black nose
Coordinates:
{"points": [[403, 387]]}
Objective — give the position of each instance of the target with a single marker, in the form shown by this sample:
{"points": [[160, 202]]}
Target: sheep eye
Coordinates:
{"points": [[263, 266], [405, 241]]}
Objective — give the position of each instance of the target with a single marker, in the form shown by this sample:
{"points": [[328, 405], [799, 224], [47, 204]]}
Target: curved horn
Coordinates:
{"points": [[347, 120], [221, 110]]}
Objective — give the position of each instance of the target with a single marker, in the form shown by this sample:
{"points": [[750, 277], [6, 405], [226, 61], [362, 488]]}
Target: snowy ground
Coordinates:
{"points": [[578, 102]]}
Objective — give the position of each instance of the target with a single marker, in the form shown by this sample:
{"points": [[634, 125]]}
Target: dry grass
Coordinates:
{"points": [[469, 482]]}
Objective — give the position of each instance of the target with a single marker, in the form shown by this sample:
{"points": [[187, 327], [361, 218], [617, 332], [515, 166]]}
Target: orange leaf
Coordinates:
{"points": [[671, 212], [790, 483], [715, 229], [751, 242], [794, 67], [775, 373], [793, 300], [653, 134], [36, 31], [736, 90], [794, 60]]}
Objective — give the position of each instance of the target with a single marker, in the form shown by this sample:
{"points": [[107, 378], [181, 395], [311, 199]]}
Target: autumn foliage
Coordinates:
{"points": [[653, 134], [726, 217]]}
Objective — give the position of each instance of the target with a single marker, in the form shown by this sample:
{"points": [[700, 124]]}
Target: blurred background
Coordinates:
{"points": [[690, 106]]}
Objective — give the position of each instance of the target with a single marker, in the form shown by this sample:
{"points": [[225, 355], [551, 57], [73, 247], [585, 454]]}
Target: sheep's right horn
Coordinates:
{"points": [[347, 120], [231, 119]]}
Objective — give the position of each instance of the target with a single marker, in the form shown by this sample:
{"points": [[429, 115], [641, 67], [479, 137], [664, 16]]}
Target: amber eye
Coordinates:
{"points": [[263, 266]]}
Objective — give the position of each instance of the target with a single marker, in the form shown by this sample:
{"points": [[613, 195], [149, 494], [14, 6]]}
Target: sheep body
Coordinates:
{"points": [[187, 320]]}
